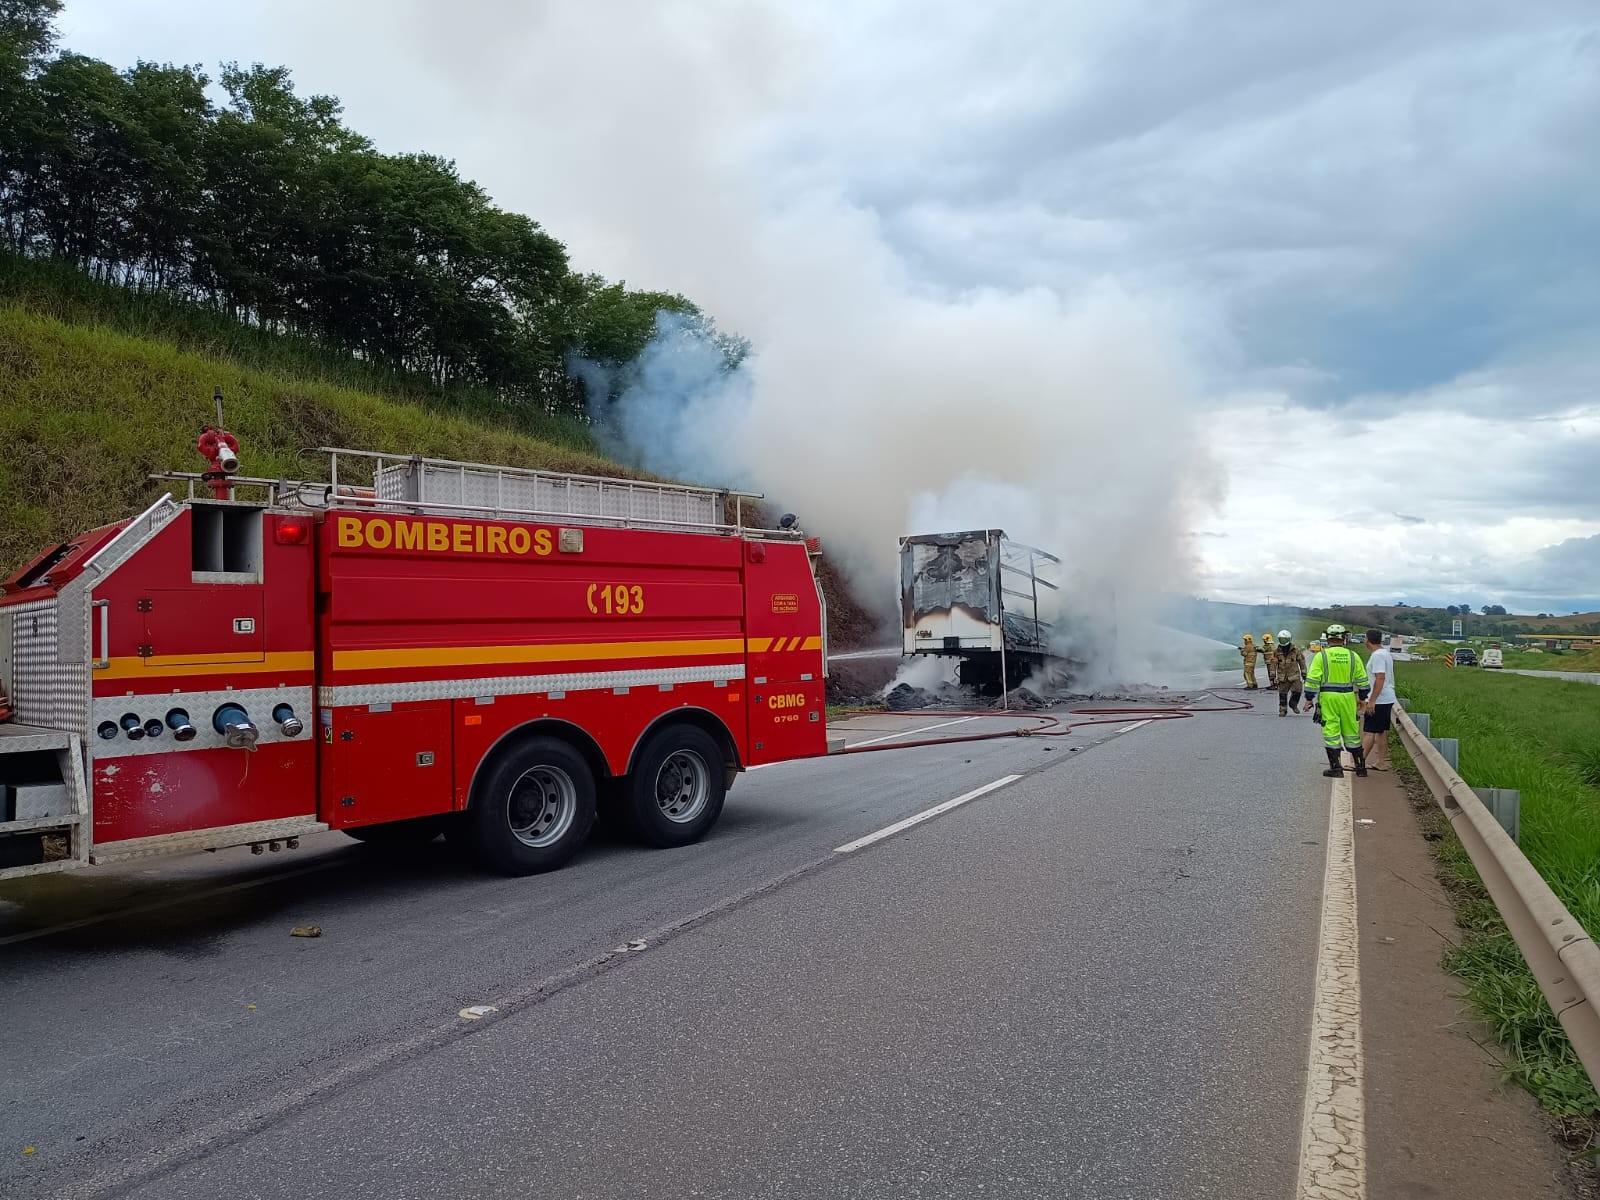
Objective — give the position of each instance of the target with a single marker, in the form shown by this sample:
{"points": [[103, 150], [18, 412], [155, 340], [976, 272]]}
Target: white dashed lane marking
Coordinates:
{"points": [[924, 815]]}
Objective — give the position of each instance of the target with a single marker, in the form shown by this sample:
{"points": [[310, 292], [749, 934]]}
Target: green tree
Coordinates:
{"points": [[27, 37], [166, 122], [268, 209]]}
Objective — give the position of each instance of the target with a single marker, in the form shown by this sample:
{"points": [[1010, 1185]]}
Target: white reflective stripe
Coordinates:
{"points": [[523, 685]]}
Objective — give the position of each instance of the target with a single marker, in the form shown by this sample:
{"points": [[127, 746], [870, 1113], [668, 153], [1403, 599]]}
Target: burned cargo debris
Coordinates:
{"points": [[976, 596]]}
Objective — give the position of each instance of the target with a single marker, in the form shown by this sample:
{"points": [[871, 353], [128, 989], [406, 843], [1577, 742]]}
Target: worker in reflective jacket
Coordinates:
{"points": [[1336, 679]]}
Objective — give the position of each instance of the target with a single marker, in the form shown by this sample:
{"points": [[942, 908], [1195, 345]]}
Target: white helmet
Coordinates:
{"points": [[1285, 636]]}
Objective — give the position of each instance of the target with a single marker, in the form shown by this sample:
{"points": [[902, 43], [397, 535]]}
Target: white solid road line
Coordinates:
{"points": [[1333, 1148], [1135, 725], [920, 729], [925, 815]]}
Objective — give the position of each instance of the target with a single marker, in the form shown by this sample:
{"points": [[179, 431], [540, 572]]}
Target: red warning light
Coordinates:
{"points": [[292, 531]]}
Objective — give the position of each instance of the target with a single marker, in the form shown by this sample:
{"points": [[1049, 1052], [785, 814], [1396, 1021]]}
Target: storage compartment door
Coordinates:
{"points": [[394, 763], [203, 625]]}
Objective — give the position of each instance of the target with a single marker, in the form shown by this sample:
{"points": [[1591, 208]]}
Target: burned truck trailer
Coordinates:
{"points": [[978, 597]]}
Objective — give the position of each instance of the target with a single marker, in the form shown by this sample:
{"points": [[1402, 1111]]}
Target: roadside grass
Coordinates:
{"points": [[1540, 736], [59, 289], [1553, 660], [838, 712]]}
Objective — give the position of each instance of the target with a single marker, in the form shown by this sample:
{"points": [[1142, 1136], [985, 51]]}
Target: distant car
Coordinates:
{"points": [[1493, 658], [1466, 656]]}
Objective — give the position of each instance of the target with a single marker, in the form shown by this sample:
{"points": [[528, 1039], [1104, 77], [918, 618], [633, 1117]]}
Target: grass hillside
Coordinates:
{"points": [[86, 413]]}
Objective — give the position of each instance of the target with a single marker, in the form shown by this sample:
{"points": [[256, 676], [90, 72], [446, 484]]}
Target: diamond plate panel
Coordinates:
{"points": [[258, 702], [522, 685], [206, 839], [641, 504], [46, 690]]}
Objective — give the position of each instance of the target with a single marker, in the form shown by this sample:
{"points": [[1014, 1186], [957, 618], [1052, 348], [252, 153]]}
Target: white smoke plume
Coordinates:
{"points": [[875, 402], [926, 674]]}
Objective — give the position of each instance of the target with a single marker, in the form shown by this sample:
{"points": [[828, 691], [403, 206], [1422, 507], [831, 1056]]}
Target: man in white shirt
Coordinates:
{"points": [[1379, 709]]}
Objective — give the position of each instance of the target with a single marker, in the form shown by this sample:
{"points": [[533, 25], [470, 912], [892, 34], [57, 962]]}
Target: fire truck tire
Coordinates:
{"points": [[534, 808], [677, 787], [418, 831]]}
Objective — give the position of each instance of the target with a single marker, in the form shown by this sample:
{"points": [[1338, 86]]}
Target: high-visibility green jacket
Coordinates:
{"points": [[1337, 669]]}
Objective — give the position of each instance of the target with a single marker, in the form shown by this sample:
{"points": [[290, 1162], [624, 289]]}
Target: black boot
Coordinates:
{"points": [[1334, 771], [1360, 756]]}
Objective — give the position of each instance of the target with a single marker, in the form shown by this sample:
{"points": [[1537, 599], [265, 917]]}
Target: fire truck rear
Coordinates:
{"points": [[446, 647]]}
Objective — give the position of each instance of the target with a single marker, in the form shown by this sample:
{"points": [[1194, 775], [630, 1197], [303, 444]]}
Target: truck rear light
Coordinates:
{"points": [[813, 545], [758, 552], [292, 531]]}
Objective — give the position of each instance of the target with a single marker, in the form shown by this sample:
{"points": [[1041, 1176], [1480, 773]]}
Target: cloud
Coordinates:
{"points": [[1408, 520], [1568, 569], [1351, 234]]}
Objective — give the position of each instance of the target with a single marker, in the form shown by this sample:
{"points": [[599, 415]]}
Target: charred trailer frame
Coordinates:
{"points": [[975, 597]]}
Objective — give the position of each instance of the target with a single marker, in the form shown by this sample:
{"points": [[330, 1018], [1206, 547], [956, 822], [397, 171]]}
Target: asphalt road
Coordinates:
{"points": [[1571, 676], [1092, 980]]}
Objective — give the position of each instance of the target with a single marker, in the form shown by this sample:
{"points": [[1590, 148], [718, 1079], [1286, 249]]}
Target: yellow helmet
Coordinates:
{"points": [[1266, 637], [1248, 638]]}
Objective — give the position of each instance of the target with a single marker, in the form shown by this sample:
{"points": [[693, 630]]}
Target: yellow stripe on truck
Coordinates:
{"points": [[180, 665], [184, 665], [471, 656], [784, 645]]}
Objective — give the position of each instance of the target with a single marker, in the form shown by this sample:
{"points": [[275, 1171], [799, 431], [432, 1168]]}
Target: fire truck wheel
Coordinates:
{"points": [[677, 788], [534, 809]]}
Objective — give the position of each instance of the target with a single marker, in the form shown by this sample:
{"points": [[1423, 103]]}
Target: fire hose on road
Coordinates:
{"points": [[1052, 726]]}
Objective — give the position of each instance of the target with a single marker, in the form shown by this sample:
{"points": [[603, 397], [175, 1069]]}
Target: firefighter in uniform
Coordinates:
{"points": [[1336, 680], [1269, 652], [1289, 672], [1248, 653]]}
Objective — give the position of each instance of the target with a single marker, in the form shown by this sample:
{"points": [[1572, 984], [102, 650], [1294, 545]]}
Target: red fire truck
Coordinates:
{"points": [[420, 647]]}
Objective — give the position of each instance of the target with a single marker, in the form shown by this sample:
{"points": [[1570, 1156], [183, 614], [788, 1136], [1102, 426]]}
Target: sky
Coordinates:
{"points": [[1325, 274]]}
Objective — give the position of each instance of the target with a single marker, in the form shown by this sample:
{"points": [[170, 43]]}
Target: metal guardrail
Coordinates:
{"points": [[1562, 955]]}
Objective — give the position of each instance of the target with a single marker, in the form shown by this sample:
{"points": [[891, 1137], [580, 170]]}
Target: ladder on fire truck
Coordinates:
{"points": [[440, 486]]}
